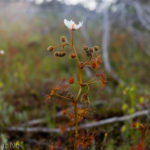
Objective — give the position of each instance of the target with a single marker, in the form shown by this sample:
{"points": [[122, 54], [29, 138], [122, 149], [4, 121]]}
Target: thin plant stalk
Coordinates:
{"points": [[78, 95]]}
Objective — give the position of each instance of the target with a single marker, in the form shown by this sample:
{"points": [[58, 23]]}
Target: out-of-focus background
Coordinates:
{"points": [[121, 28]]}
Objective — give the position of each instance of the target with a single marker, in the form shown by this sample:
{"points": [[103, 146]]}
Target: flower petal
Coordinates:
{"points": [[71, 24], [77, 26]]}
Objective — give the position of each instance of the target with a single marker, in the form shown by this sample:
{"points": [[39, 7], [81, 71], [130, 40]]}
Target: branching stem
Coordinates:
{"points": [[64, 97], [78, 95]]}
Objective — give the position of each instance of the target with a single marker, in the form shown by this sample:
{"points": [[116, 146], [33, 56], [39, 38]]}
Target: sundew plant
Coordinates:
{"points": [[89, 58]]}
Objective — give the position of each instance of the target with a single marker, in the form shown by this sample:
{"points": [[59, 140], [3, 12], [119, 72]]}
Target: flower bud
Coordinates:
{"points": [[60, 54], [96, 48], [57, 54], [63, 54], [83, 85], [63, 39], [89, 53], [72, 55], [71, 80], [50, 48], [91, 50], [81, 65], [85, 48]]}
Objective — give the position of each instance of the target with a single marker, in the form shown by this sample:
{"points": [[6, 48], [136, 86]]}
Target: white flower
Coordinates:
{"points": [[2, 52], [71, 24]]}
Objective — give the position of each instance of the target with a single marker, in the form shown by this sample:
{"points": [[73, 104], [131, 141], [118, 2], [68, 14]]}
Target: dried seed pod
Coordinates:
{"points": [[57, 54], [96, 48], [71, 80], [63, 54], [88, 53], [81, 65], [91, 50], [85, 48], [63, 39], [72, 55], [50, 48], [60, 54]]}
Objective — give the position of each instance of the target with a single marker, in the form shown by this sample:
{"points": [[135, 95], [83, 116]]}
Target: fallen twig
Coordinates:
{"points": [[84, 126]]}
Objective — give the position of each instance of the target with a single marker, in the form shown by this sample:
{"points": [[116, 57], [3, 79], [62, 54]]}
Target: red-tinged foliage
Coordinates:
{"points": [[52, 92], [52, 147], [134, 124], [81, 65], [96, 62], [141, 144], [71, 80], [94, 65], [63, 129], [64, 111], [98, 75], [56, 145], [102, 77], [82, 113], [85, 140], [103, 80]]}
